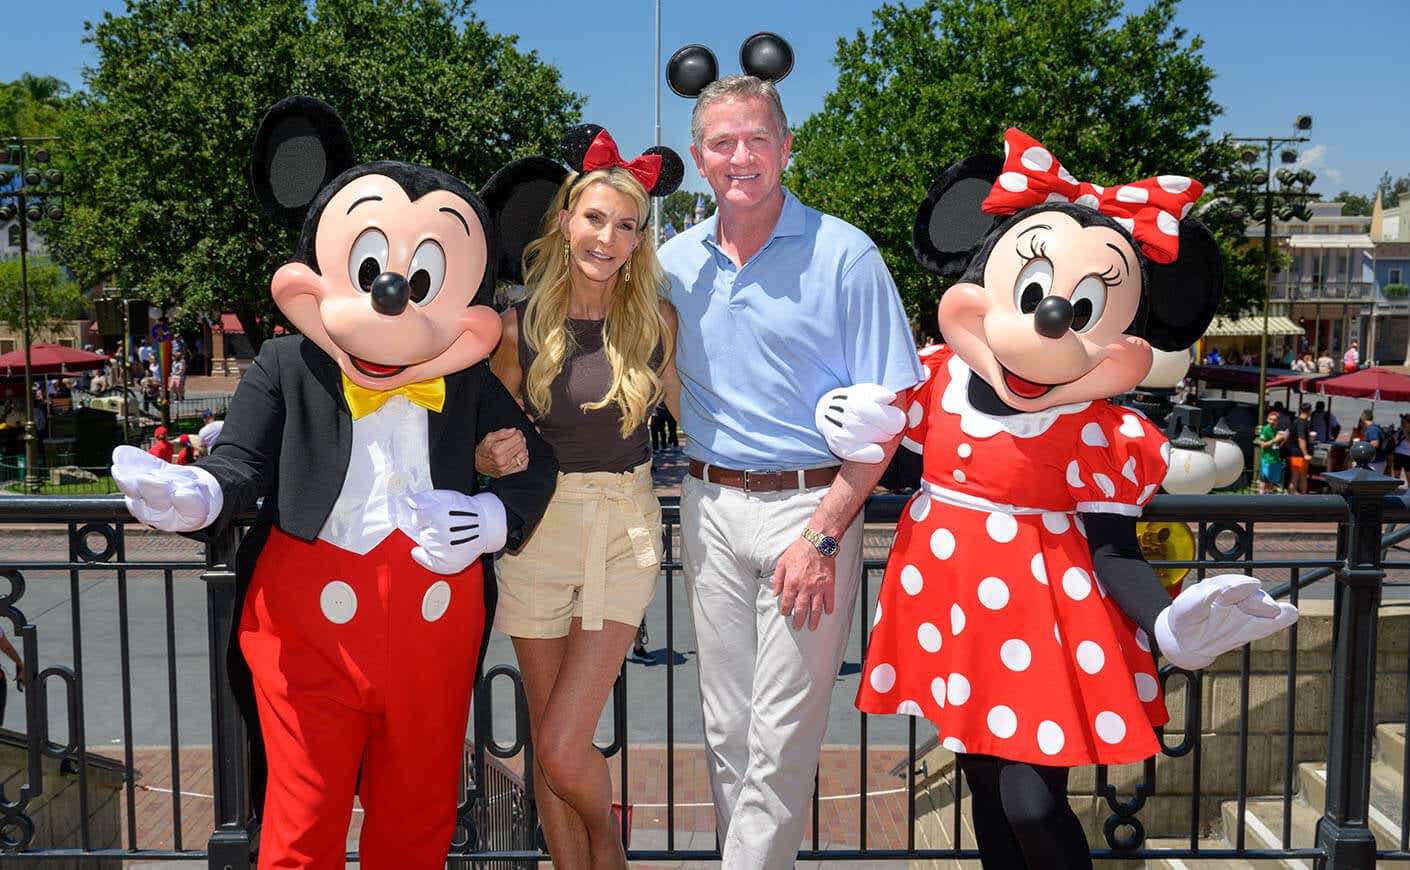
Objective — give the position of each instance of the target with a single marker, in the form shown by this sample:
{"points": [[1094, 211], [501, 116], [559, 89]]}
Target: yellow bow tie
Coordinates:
{"points": [[430, 395]]}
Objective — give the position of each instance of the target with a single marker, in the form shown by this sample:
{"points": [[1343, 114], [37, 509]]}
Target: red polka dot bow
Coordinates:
{"points": [[1149, 209], [603, 153]]}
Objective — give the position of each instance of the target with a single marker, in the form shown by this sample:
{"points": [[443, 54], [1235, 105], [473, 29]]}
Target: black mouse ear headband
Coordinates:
{"points": [[588, 147], [766, 56]]}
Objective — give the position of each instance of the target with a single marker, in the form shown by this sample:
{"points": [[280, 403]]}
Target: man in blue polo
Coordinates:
{"points": [[778, 304]]}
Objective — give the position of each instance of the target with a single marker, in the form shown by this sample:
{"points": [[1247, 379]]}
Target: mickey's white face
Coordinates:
{"points": [[1047, 327]]}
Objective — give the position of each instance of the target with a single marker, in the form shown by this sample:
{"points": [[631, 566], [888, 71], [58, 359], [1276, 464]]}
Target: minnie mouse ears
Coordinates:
{"points": [[587, 147], [766, 56]]}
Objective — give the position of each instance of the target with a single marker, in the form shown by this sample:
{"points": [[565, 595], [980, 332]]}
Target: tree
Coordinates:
{"points": [[1114, 98], [1392, 189], [156, 155], [53, 297], [1353, 203], [678, 209], [31, 105]]}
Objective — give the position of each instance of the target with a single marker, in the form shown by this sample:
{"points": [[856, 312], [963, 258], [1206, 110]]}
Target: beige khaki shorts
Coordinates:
{"points": [[595, 555]]}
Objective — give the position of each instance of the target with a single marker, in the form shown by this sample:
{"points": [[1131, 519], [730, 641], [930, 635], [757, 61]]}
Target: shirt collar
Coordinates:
{"points": [[792, 221]]}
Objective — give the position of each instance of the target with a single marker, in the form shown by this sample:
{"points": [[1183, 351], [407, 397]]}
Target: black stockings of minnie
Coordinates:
{"points": [[1021, 815]]}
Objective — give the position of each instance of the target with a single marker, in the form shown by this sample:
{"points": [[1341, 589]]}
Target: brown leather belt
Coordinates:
{"points": [[764, 481]]}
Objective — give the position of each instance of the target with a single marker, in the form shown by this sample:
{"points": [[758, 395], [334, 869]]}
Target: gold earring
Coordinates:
{"points": [[567, 252], [627, 272]]}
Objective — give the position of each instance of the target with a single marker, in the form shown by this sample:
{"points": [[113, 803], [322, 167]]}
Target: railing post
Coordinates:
{"points": [[1343, 831], [229, 845]]}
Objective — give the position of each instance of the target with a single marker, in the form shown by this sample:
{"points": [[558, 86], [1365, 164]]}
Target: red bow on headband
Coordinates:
{"points": [[1149, 209], [603, 154]]}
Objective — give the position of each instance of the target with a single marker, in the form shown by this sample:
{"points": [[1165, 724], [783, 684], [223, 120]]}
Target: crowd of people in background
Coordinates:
{"points": [[1300, 360]]}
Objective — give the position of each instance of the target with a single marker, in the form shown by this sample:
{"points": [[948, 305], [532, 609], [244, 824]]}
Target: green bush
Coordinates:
{"points": [[1393, 291]]}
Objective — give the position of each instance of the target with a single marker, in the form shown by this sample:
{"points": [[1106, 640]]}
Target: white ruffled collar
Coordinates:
{"points": [[977, 424]]}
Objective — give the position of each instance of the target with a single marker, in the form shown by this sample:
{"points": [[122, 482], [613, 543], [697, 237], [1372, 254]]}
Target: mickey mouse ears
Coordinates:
{"points": [[691, 68], [587, 147]]}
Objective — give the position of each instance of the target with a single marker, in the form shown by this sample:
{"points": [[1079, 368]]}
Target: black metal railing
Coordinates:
{"points": [[108, 620]]}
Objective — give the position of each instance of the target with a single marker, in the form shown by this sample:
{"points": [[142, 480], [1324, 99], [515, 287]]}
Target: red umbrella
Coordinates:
{"points": [[1373, 383], [50, 359]]}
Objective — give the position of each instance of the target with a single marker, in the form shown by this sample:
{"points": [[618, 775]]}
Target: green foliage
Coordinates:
{"points": [[1115, 98], [156, 159], [52, 297], [678, 209], [1354, 203], [31, 106], [1395, 291], [1392, 189]]}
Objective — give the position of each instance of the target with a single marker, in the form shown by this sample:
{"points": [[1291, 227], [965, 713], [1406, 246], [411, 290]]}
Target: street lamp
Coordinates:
{"points": [[1253, 196], [32, 200]]}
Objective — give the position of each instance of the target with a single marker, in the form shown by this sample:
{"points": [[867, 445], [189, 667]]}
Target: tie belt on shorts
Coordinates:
{"points": [[965, 500], [597, 491], [764, 481]]}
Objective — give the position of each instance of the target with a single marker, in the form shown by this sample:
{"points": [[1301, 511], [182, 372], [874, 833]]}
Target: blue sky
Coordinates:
{"points": [[1343, 63]]}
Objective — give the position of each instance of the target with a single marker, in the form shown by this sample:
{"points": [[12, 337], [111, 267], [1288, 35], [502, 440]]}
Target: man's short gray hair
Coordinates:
{"points": [[735, 87]]}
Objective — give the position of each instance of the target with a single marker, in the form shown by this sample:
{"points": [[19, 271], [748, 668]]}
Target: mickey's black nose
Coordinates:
{"points": [[390, 293], [1052, 318]]}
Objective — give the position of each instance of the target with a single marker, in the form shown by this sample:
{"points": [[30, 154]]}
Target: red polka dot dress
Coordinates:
{"points": [[991, 622]]}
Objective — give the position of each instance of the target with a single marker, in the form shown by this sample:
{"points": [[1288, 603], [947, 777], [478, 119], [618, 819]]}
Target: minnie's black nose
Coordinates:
{"points": [[390, 293], [1052, 318]]}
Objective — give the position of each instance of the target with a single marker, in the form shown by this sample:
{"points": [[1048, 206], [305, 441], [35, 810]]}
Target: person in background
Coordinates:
{"points": [[1370, 432], [1214, 358], [176, 384], [1297, 449], [9, 650], [1400, 449], [185, 454], [1351, 360], [161, 448], [1304, 364], [1270, 463], [210, 430], [1325, 363], [1325, 426]]}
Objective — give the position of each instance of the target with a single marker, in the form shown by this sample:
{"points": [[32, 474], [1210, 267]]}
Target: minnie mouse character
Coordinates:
{"points": [[366, 597], [1017, 612]]}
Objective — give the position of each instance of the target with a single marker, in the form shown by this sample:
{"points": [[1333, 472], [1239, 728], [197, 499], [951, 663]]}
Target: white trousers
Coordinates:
{"points": [[764, 686]]}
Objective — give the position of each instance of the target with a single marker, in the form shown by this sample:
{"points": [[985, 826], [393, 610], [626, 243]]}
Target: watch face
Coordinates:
{"points": [[827, 545]]}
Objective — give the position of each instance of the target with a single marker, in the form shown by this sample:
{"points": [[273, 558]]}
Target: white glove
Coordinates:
{"points": [[453, 529], [855, 421], [173, 498], [1221, 613]]}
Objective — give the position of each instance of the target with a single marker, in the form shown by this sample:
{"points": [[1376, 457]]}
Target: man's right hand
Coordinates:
{"points": [[172, 498], [502, 452]]}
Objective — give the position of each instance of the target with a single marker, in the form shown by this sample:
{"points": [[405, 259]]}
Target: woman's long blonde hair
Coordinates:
{"points": [[634, 327]]}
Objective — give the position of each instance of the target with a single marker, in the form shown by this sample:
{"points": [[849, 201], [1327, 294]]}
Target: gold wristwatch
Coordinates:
{"points": [[826, 545]]}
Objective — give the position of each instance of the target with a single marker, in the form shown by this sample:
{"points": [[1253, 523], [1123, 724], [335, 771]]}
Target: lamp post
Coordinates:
{"points": [[1255, 197], [31, 200]]}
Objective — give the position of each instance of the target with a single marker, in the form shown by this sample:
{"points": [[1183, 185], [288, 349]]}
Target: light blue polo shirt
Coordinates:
{"points": [[813, 310]]}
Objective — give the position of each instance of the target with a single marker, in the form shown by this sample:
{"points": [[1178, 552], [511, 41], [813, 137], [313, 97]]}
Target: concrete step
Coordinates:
{"points": [[1263, 826], [1193, 863], [1390, 744], [1386, 794]]}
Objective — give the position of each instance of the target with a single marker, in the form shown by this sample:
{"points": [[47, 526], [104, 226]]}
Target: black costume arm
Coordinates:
{"points": [[245, 461], [1124, 572], [526, 493]]}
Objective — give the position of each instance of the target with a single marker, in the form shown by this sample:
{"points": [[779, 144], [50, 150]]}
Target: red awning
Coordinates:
{"points": [[50, 359], [1240, 377], [1376, 384]]}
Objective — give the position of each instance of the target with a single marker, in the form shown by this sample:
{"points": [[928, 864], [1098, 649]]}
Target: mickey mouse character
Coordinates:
{"points": [[366, 594], [1017, 612]]}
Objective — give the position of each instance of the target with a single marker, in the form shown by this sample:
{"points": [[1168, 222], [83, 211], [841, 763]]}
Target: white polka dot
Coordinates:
{"points": [[957, 475], [1087, 200], [954, 744], [338, 602], [957, 689], [942, 543], [883, 677], [1050, 737], [1037, 158], [1146, 687], [1165, 452], [1002, 722], [1128, 470], [1076, 583], [914, 414], [1015, 654], [937, 691], [1128, 193], [1126, 224], [1056, 197], [928, 350], [1104, 484], [929, 637], [1110, 727], [1100, 189], [1013, 182], [1093, 436], [925, 373], [1185, 209], [993, 593], [1147, 493], [1065, 175], [920, 506], [1173, 183], [911, 580], [909, 708], [1090, 656], [1074, 475], [964, 450], [876, 620], [1057, 634], [1056, 522], [1131, 426], [1143, 640], [1006, 149], [1040, 570], [1167, 223], [956, 619], [1001, 526]]}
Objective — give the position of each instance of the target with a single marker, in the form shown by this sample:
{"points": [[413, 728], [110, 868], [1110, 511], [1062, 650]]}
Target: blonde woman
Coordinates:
{"points": [[590, 353]]}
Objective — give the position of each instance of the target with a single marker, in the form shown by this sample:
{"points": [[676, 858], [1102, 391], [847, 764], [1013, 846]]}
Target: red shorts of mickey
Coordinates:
{"points": [[360, 663]]}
